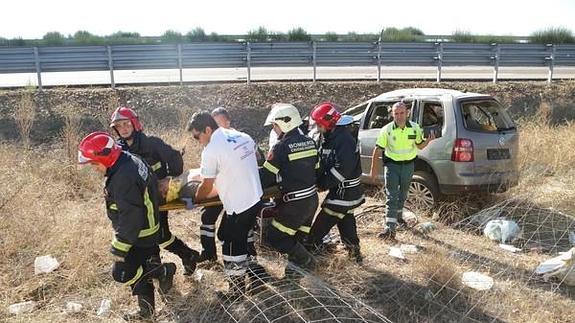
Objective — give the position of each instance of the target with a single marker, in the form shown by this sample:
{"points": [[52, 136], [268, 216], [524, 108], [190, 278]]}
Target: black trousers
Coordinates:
{"points": [[208, 231], [170, 242], [331, 215], [292, 224], [137, 269], [233, 231]]}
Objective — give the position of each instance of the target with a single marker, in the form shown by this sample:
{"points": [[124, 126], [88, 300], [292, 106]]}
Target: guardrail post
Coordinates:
{"points": [[111, 66], [551, 60], [249, 61], [180, 64], [379, 60], [495, 59], [439, 61], [38, 68], [314, 59]]}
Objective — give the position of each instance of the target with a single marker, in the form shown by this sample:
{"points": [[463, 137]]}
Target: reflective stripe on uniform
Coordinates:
{"points": [[165, 244], [267, 165], [390, 220], [302, 154], [304, 229], [236, 259], [157, 166], [139, 273], [345, 203], [207, 233], [337, 174], [317, 165], [283, 228], [114, 207], [152, 226], [333, 213], [122, 246]]}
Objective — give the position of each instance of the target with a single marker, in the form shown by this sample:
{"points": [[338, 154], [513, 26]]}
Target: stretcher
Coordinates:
{"points": [[177, 189]]}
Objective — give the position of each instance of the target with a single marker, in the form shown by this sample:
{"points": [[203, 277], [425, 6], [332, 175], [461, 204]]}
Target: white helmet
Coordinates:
{"points": [[286, 116]]}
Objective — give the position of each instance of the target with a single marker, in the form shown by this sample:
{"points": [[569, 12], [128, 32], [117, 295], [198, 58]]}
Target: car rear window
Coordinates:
{"points": [[485, 116]]}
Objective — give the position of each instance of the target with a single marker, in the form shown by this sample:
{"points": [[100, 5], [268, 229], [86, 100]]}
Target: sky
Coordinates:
{"points": [[33, 18]]}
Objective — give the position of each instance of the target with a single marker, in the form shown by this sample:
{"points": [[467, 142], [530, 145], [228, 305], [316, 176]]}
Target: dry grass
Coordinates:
{"points": [[24, 117], [49, 207]]}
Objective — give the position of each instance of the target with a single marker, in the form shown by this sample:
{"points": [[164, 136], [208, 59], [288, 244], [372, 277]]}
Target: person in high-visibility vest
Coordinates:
{"points": [[399, 140]]}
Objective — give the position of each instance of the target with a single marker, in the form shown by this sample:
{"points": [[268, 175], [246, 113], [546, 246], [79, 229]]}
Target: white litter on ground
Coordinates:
{"points": [[22, 308], [45, 264], [477, 281], [396, 253], [562, 267], [501, 230], [509, 247], [73, 307], [105, 307], [408, 248]]}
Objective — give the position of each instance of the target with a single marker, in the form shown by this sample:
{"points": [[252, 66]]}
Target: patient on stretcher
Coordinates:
{"points": [[183, 187]]}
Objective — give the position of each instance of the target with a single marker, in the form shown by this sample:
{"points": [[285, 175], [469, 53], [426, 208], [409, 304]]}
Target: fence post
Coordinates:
{"points": [[551, 60], [379, 60], [111, 66], [496, 62], [439, 61], [314, 59], [38, 68], [180, 64], [249, 61]]}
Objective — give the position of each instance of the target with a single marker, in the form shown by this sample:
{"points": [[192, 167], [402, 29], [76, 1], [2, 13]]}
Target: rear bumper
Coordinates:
{"points": [[482, 188]]}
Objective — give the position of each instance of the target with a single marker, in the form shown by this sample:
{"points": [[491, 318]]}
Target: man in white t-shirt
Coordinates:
{"points": [[229, 162]]}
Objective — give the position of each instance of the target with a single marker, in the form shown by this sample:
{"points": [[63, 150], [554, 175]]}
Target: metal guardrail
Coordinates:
{"points": [[282, 54]]}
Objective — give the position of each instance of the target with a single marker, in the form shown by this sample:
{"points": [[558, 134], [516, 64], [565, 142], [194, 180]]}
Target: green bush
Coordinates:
{"points": [[53, 38], [352, 36], [408, 34], [298, 34], [197, 35], [257, 35], [467, 37], [553, 35], [330, 36], [125, 38], [83, 37], [171, 37]]}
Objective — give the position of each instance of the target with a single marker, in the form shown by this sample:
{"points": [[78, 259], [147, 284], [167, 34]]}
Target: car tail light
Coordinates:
{"points": [[462, 151]]}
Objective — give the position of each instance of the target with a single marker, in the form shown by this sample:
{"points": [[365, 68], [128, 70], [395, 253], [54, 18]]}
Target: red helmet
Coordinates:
{"points": [[325, 115], [99, 147], [125, 113]]}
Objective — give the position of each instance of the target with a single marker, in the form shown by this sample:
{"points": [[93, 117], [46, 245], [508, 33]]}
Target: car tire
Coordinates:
{"points": [[423, 191]]}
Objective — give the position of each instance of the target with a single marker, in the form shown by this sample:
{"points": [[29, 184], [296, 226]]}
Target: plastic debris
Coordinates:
{"points": [[22, 308], [562, 267], [73, 307], [198, 275], [501, 230], [45, 264], [396, 253], [426, 227], [572, 237], [105, 307], [477, 281], [408, 248], [509, 248], [408, 216]]}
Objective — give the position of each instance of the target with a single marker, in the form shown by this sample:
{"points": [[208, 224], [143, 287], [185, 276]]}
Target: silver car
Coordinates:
{"points": [[476, 149]]}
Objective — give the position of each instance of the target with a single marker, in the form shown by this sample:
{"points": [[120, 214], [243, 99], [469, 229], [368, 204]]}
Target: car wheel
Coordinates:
{"points": [[423, 191]]}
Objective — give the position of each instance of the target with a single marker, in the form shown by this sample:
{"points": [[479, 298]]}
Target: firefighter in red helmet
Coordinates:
{"points": [[339, 173], [131, 192], [164, 161]]}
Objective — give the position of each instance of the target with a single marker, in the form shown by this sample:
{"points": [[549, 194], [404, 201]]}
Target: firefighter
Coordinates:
{"points": [[131, 195], [229, 162], [339, 173], [164, 161], [293, 160]]}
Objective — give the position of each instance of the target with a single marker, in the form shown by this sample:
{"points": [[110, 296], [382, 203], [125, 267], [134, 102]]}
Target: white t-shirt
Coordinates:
{"points": [[230, 158]]}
